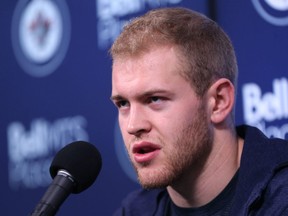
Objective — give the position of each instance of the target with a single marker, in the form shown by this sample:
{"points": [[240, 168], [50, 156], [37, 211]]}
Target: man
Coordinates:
{"points": [[173, 81]]}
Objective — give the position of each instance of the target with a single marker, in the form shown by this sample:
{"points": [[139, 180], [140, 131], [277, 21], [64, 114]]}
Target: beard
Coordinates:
{"points": [[190, 151]]}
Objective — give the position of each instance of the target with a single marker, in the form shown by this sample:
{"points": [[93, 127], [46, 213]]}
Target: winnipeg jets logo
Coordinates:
{"points": [[273, 11], [41, 33], [40, 28]]}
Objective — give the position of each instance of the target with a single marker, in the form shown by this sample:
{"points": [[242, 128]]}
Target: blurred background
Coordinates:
{"points": [[55, 84]]}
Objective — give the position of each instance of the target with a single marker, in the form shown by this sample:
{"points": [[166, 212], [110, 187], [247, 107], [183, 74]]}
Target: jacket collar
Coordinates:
{"points": [[260, 158]]}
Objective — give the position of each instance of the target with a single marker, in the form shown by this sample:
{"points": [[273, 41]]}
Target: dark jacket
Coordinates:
{"points": [[262, 187]]}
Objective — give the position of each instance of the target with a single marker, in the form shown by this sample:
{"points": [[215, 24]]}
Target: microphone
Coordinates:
{"points": [[74, 168]]}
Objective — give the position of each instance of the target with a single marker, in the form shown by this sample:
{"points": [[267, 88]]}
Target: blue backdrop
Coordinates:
{"points": [[55, 87]]}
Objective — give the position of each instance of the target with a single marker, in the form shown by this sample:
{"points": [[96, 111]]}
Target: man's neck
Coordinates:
{"points": [[196, 189]]}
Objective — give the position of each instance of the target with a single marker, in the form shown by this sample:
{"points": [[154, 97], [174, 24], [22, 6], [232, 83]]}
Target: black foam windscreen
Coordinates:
{"points": [[80, 159]]}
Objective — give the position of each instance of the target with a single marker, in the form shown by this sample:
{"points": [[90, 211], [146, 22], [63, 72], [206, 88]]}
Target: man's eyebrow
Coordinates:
{"points": [[142, 95], [116, 98], [154, 91]]}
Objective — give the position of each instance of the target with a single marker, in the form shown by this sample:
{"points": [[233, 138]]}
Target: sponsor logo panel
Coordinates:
{"points": [[265, 109], [113, 15], [31, 150]]}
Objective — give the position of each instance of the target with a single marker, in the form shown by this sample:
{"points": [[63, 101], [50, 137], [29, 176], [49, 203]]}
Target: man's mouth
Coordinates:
{"points": [[145, 152]]}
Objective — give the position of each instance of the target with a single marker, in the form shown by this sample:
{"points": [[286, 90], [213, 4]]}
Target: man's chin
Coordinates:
{"points": [[153, 180], [152, 185]]}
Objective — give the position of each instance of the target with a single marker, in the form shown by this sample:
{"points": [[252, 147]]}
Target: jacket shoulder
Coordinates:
{"points": [[274, 200]]}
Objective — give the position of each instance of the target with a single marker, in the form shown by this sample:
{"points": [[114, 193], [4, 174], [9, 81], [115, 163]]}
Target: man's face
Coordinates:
{"points": [[163, 123]]}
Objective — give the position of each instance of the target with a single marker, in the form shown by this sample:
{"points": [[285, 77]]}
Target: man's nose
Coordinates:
{"points": [[138, 121]]}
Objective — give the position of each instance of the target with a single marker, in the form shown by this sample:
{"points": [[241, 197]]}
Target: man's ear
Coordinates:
{"points": [[221, 97]]}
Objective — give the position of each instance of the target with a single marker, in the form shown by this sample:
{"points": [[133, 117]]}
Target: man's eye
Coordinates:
{"points": [[121, 104], [155, 99]]}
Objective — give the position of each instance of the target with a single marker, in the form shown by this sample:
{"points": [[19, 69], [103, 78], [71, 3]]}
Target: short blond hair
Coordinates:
{"points": [[205, 49]]}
